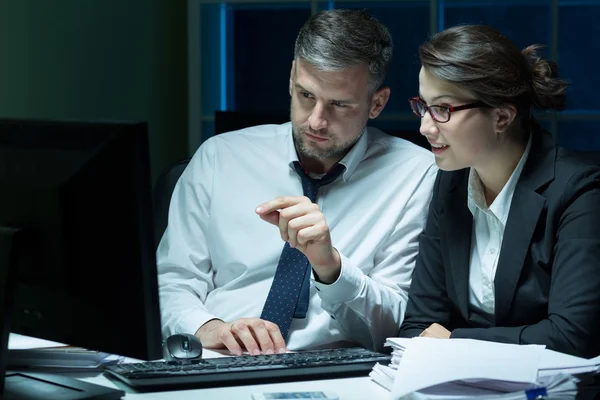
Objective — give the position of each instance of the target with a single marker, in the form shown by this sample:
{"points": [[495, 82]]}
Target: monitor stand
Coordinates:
{"points": [[26, 386]]}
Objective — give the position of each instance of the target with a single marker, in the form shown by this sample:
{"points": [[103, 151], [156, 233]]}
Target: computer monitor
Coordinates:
{"points": [[76, 233]]}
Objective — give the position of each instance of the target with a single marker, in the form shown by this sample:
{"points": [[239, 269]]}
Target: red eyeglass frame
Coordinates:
{"points": [[449, 109]]}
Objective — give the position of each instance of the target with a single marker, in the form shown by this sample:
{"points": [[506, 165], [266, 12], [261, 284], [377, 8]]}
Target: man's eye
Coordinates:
{"points": [[306, 95], [340, 105]]}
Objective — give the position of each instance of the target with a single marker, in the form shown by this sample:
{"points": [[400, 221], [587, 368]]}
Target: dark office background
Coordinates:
{"points": [[247, 49], [175, 63]]}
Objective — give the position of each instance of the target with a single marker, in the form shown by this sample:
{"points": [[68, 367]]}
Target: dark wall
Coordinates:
{"points": [[98, 59]]}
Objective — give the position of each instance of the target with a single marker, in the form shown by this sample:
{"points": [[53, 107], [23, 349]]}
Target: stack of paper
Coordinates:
{"points": [[425, 368], [553, 362], [32, 353]]}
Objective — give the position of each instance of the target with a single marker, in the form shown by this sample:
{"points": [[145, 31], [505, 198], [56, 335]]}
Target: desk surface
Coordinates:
{"points": [[357, 388], [361, 388]]}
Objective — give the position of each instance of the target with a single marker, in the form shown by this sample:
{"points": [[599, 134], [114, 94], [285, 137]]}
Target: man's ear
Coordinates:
{"points": [[292, 74], [504, 117], [378, 102]]}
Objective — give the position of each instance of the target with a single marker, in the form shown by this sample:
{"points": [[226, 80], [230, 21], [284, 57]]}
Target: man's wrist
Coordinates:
{"points": [[329, 273], [208, 326]]}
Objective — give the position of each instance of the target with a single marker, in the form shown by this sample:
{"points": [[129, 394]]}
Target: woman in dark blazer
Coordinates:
{"points": [[511, 250]]}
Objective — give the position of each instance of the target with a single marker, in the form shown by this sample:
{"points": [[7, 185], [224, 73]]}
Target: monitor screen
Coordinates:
{"points": [[86, 271]]}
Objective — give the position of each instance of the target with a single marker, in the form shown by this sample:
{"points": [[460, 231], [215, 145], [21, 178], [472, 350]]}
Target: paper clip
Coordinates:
{"points": [[537, 394]]}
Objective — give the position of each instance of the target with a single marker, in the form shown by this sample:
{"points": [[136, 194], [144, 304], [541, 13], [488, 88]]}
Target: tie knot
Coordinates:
{"points": [[310, 185]]}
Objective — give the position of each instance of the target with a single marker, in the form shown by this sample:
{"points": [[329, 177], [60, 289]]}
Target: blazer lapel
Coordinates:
{"points": [[525, 209], [524, 213], [458, 226]]}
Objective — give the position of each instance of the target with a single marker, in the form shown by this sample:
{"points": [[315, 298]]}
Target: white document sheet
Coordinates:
{"points": [[428, 362]]}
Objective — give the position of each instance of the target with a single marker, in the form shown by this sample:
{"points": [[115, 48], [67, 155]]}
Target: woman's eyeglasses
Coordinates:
{"points": [[439, 113]]}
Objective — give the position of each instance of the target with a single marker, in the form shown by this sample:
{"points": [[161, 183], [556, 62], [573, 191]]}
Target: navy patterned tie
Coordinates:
{"points": [[290, 290]]}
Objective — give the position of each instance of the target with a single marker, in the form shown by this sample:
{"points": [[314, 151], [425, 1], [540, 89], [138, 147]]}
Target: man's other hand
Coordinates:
{"points": [[254, 335]]}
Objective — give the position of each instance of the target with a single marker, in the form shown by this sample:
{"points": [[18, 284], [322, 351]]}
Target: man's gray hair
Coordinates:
{"points": [[334, 40]]}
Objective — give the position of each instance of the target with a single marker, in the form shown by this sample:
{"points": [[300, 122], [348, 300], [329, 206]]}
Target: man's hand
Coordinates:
{"points": [[436, 331], [303, 225], [252, 334]]}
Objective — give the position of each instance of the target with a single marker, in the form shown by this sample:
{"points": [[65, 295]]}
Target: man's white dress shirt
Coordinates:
{"points": [[217, 258], [488, 232]]}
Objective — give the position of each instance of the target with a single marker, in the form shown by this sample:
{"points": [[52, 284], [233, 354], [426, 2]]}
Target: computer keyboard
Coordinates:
{"points": [[226, 371]]}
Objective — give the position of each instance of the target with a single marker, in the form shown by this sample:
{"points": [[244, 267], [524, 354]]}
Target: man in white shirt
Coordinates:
{"points": [[241, 199]]}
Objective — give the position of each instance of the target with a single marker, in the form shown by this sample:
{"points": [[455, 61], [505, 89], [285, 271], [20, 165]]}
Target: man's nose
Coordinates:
{"points": [[318, 117]]}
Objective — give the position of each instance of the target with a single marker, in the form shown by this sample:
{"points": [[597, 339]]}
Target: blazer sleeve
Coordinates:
{"points": [[573, 322], [428, 300]]}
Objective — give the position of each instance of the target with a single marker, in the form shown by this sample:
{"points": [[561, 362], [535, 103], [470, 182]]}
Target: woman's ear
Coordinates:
{"points": [[504, 116]]}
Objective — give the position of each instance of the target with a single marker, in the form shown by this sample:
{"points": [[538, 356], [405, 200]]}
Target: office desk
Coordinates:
{"points": [[357, 388], [362, 388]]}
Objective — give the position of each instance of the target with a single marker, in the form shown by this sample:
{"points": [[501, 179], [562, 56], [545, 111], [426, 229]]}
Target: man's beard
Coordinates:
{"points": [[335, 150]]}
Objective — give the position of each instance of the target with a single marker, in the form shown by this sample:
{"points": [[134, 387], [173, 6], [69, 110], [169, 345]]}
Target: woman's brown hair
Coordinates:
{"points": [[488, 64]]}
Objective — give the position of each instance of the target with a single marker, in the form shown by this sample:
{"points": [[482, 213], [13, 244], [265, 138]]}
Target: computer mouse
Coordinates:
{"points": [[182, 346]]}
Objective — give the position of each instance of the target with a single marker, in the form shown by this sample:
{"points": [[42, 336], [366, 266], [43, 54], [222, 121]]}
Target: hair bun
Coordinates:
{"points": [[549, 91]]}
